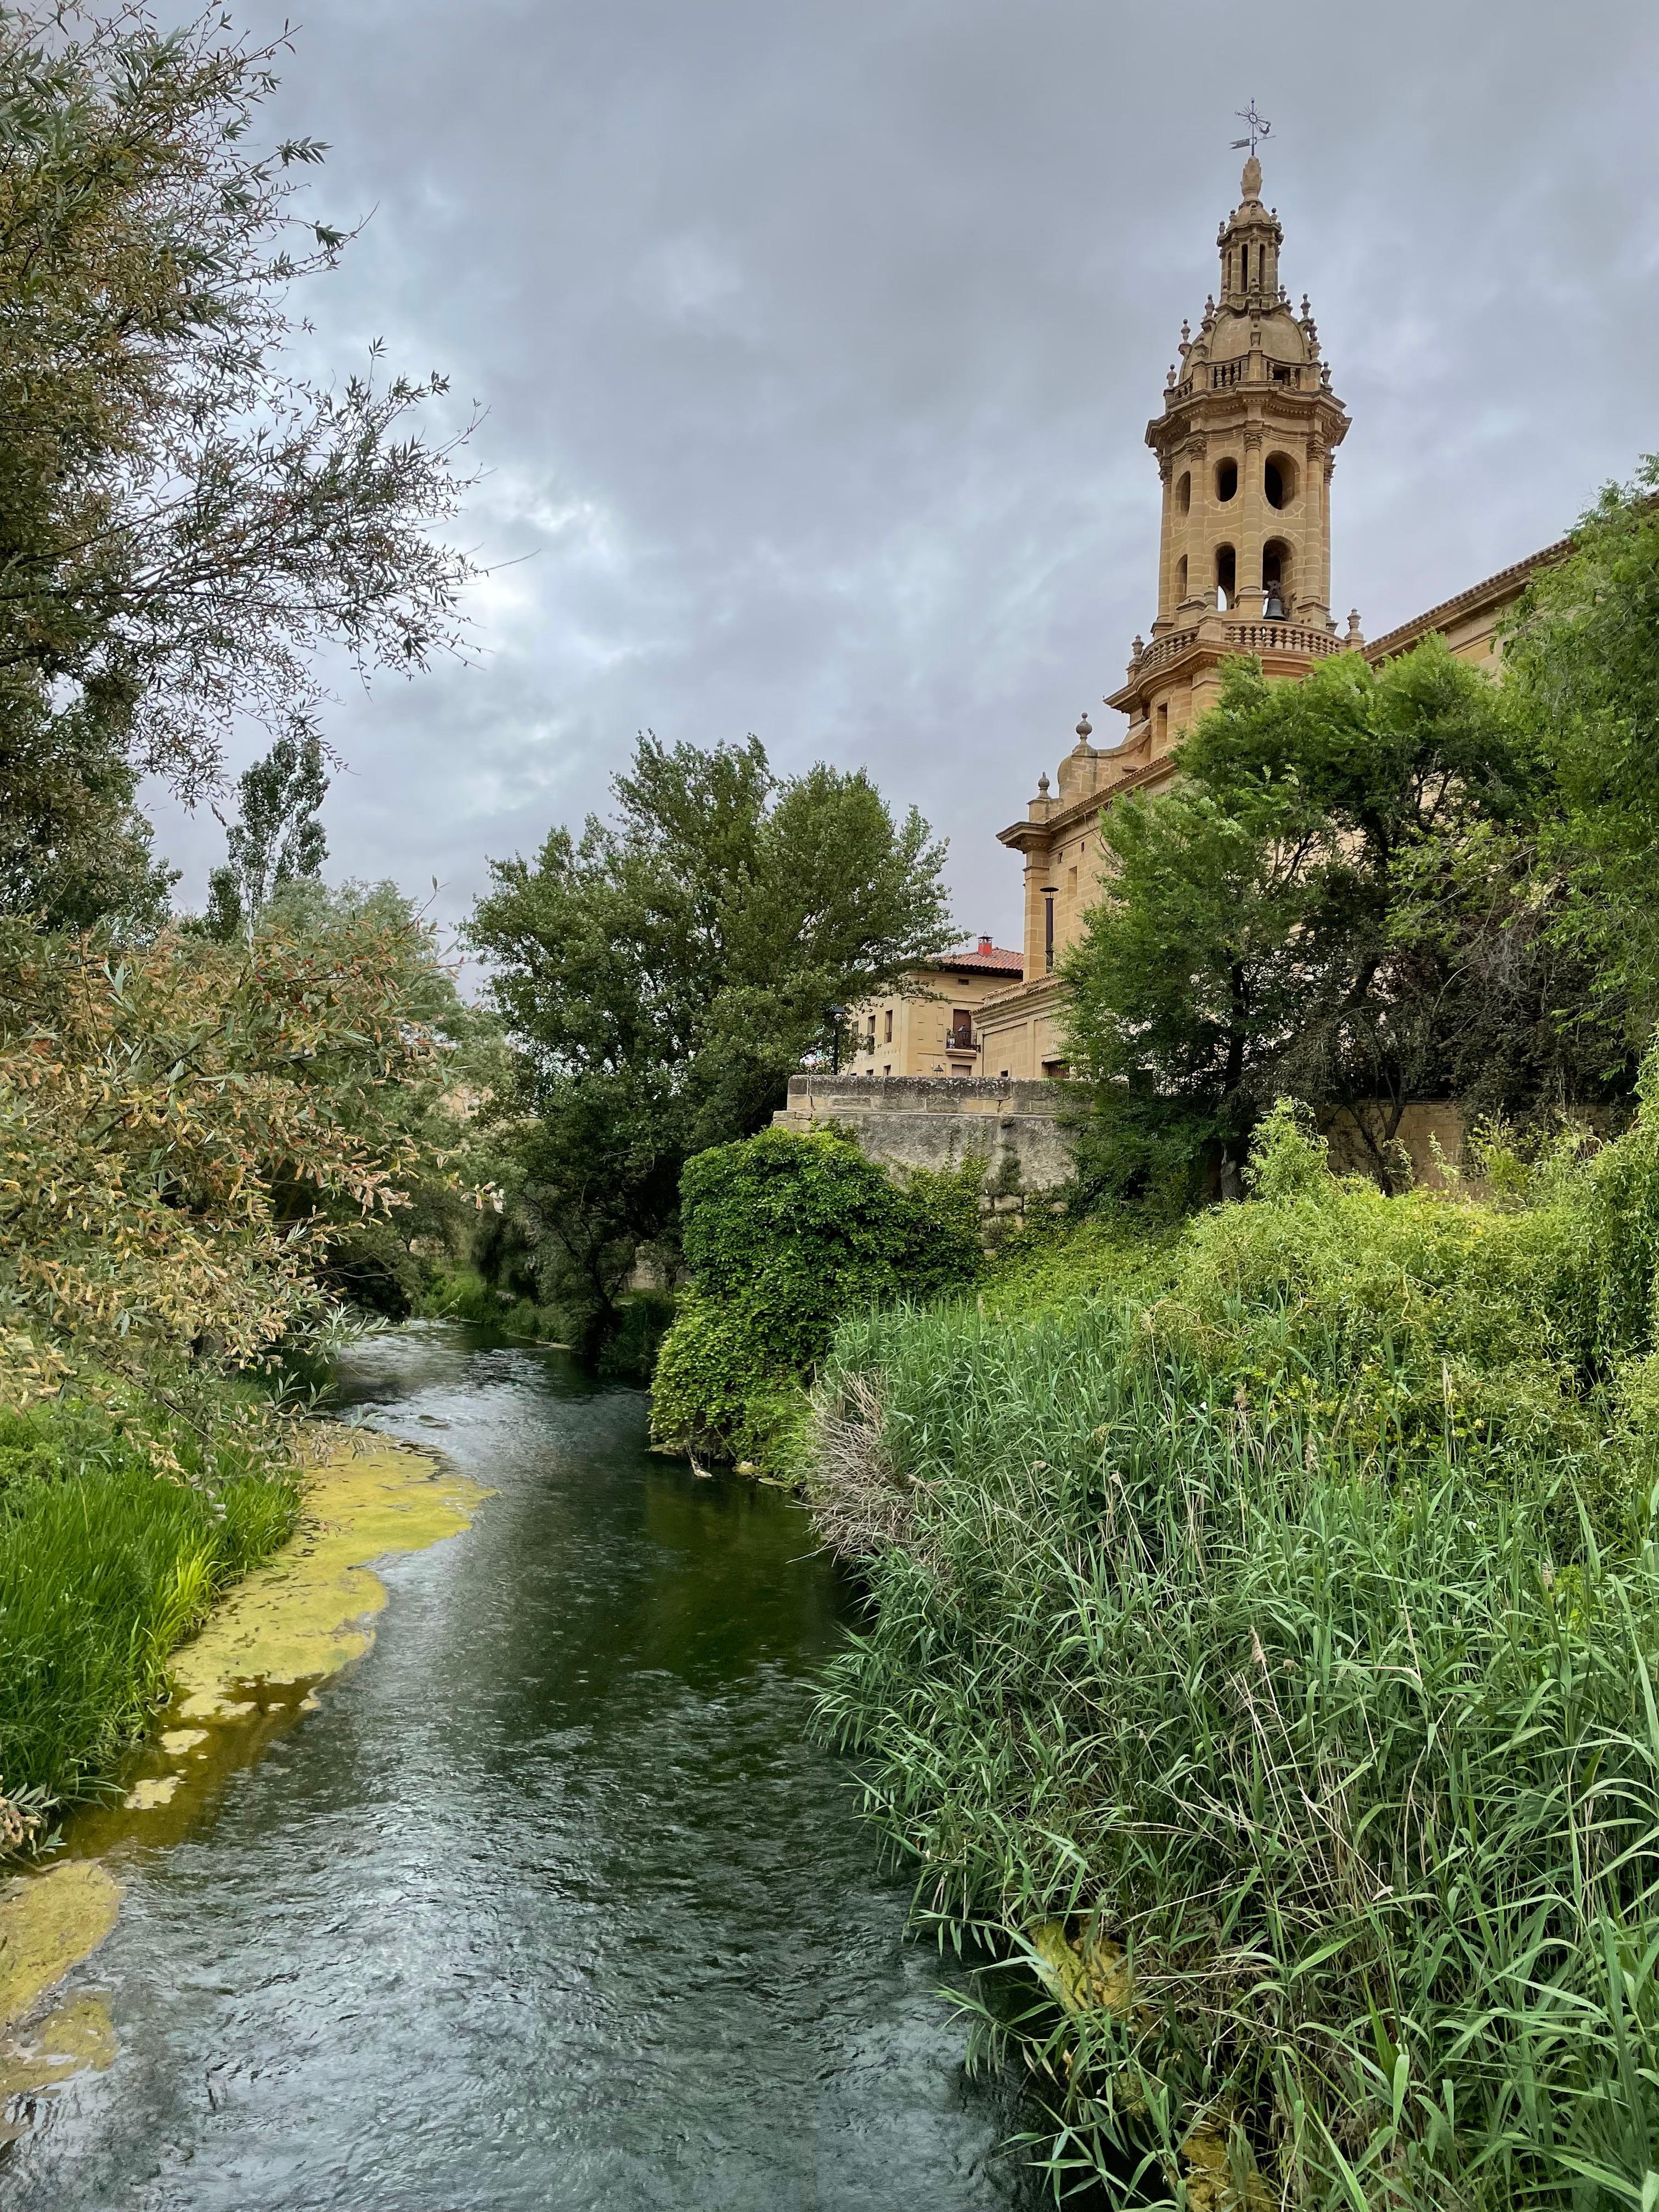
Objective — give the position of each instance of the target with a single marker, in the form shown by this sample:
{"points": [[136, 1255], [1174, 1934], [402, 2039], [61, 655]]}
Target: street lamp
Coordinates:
{"points": [[837, 1015]]}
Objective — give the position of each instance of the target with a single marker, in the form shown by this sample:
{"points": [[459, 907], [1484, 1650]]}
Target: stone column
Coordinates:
{"points": [[1314, 593], [1250, 595], [1170, 531], [1200, 556]]}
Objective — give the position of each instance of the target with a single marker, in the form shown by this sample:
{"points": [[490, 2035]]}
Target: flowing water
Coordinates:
{"points": [[551, 1903]]}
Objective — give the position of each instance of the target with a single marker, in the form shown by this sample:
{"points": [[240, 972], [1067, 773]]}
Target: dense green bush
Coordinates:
{"points": [[1262, 1654], [783, 1234], [116, 1534]]}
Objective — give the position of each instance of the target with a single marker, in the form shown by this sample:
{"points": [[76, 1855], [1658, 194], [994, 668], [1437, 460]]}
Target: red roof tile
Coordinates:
{"points": [[985, 959]]}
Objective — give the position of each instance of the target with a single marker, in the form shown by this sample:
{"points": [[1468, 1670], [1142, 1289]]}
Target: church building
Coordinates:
{"points": [[1246, 445]]}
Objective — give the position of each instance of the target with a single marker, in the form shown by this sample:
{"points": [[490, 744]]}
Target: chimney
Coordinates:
{"points": [[985, 944]]}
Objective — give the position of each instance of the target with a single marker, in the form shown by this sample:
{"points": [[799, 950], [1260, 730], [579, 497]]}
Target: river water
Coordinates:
{"points": [[550, 1904]]}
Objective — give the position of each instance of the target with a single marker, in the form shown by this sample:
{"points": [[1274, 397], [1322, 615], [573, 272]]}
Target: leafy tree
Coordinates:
{"points": [[185, 1126], [74, 847], [277, 839], [182, 519], [662, 974], [1336, 902], [1582, 667]]}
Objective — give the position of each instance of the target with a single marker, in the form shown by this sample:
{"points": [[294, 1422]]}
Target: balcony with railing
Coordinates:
{"points": [[1241, 637], [1280, 637]]}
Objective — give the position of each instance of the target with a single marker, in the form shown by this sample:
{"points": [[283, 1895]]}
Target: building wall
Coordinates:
{"points": [[1023, 1036], [901, 1035]]}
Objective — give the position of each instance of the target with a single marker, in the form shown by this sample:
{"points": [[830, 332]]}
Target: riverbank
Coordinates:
{"points": [[1259, 1658], [256, 1665]]}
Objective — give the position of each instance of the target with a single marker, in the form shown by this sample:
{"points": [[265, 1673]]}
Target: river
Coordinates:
{"points": [[551, 1903]]}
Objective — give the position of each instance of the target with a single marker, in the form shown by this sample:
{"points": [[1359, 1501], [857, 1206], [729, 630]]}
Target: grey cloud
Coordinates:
{"points": [[819, 340]]}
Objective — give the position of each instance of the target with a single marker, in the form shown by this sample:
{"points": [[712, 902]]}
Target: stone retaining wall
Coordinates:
{"points": [[939, 1122]]}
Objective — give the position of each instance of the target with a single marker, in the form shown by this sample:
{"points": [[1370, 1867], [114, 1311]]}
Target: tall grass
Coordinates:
{"points": [[1306, 1681], [105, 1566]]}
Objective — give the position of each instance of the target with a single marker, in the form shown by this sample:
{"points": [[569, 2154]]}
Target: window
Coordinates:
{"points": [[1181, 578], [1184, 493], [888, 1038], [1049, 930], [1226, 576], [888, 1069], [1226, 480], [1162, 724], [961, 1038]]}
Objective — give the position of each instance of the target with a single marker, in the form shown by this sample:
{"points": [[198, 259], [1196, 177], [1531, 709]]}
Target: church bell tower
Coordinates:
{"points": [[1245, 443]]}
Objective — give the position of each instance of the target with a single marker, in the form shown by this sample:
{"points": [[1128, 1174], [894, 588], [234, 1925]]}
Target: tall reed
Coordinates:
{"points": [[1306, 1680]]}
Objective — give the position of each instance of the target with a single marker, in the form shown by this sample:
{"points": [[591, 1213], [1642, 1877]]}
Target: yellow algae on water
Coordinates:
{"points": [[153, 1790], [247, 1677], [74, 2038], [1081, 1972], [48, 1924], [307, 1611]]}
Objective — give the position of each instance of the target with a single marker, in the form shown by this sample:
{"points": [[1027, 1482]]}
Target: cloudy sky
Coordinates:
{"points": [[817, 339]]}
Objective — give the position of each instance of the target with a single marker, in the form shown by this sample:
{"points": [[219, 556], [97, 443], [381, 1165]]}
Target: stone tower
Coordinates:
{"points": [[1245, 446]]}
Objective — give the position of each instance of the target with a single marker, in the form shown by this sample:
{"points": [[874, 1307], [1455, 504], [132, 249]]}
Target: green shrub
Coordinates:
{"points": [[106, 1563], [643, 1321], [783, 1234], [463, 1295]]}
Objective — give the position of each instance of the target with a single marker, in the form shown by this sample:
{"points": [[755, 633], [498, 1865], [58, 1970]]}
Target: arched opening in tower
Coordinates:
{"points": [[1226, 576]]}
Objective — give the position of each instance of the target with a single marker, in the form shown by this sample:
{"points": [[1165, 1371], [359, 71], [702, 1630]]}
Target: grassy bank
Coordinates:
{"points": [[117, 1530], [1261, 1654]]}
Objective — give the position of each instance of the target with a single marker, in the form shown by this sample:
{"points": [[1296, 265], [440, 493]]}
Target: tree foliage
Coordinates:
{"points": [[276, 838], [662, 974], [183, 520], [1340, 900], [1582, 669], [186, 1127]]}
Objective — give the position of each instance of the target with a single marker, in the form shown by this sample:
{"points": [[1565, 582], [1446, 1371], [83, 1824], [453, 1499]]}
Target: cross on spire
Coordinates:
{"points": [[1257, 126]]}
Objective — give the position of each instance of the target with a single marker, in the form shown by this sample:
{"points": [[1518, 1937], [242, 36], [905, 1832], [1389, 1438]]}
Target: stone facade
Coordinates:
{"points": [[933, 1027], [927, 1122]]}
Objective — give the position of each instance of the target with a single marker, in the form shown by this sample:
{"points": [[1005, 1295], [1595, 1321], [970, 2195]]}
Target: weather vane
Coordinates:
{"points": [[1258, 128]]}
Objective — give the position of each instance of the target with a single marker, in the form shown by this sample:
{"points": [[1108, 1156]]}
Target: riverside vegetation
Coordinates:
{"points": [[207, 1126], [1263, 1598], [224, 1135]]}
